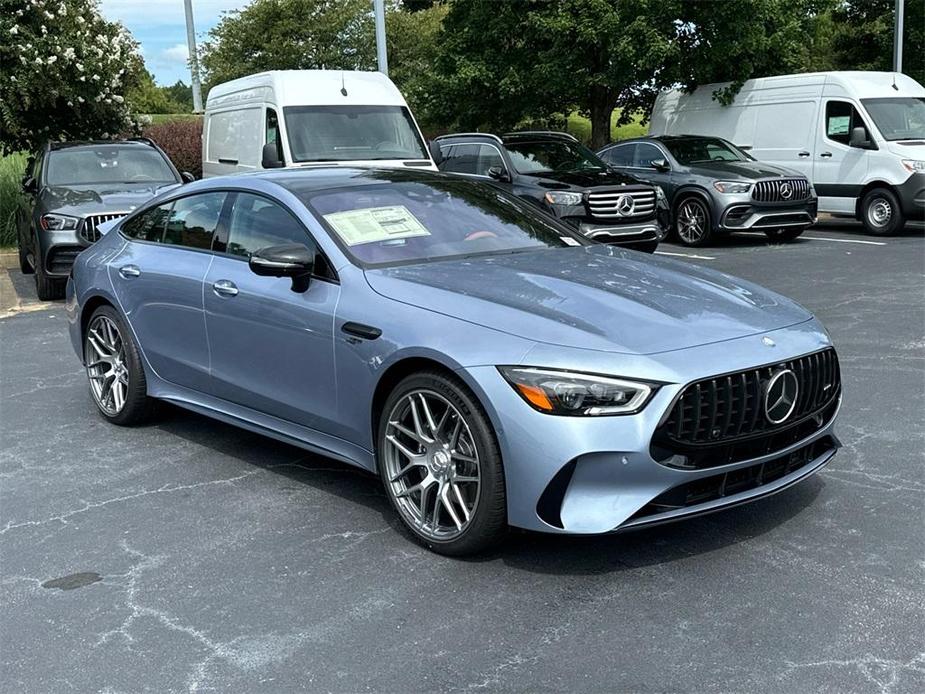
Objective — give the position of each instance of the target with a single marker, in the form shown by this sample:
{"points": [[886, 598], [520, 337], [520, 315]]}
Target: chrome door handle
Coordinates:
{"points": [[224, 288], [804, 153], [129, 271], [826, 154]]}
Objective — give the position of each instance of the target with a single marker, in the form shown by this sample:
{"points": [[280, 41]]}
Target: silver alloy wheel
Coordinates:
{"points": [[431, 465], [879, 212], [692, 221], [104, 353]]}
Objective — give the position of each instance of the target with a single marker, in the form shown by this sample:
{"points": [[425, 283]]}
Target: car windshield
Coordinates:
{"points": [[898, 118], [544, 156], [396, 223], [352, 133], [103, 164], [698, 150]]}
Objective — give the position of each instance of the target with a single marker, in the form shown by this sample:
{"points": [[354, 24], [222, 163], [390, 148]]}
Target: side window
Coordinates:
{"points": [[461, 159], [619, 156], [487, 157], [840, 118], [193, 220], [148, 226], [272, 133], [257, 222], [645, 155]]}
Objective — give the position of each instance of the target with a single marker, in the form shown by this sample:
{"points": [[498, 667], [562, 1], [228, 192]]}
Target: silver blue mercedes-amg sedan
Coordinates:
{"points": [[494, 367]]}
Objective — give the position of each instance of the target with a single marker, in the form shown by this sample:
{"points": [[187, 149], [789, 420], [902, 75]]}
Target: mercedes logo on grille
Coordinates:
{"points": [[626, 205], [780, 396], [786, 190]]}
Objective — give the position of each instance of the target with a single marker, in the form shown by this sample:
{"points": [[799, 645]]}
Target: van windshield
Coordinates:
{"points": [[352, 133], [898, 118]]}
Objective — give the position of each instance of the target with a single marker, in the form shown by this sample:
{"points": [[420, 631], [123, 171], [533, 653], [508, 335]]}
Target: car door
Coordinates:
{"points": [[272, 348], [839, 170], [643, 167], [157, 277]]}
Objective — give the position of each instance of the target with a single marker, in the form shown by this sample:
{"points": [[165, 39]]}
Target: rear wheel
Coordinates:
{"points": [[693, 225], [783, 235], [441, 466], [881, 213]]}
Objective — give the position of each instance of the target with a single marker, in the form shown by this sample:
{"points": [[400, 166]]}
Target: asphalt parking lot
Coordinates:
{"points": [[188, 555]]}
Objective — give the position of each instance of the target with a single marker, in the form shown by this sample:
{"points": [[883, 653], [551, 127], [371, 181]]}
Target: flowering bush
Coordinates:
{"points": [[181, 139], [63, 73]]}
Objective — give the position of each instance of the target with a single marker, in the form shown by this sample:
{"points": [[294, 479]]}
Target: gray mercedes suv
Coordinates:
{"points": [[72, 188], [714, 187]]}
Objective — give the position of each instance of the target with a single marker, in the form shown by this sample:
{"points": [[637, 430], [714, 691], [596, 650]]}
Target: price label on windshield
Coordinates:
{"points": [[374, 224]]}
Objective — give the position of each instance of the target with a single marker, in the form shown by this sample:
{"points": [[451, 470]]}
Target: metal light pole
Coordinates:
{"points": [[379, 9], [898, 38], [193, 57]]}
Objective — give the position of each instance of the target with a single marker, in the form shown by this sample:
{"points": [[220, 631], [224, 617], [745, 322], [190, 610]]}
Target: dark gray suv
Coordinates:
{"points": [[72, 188], [713, 187]]}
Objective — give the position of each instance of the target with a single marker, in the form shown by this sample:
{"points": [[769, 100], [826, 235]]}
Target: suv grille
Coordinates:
{"points": [[606, 204], [90, 229], [777, 190], [721, 420]]}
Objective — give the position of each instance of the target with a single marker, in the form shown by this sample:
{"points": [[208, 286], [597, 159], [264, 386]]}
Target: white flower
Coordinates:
{"points": [[70, 103], [52, 59], [118, 99], [80, 99], [79, 66], [95, 77], [69, 54], [14, 30]]}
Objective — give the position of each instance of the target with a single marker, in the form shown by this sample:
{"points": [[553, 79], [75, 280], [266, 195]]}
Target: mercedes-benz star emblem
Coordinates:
{"points": [[626, 205], [786, 190], [780, 396]]}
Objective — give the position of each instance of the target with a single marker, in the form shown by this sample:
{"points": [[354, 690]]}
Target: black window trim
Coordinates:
{"points": [[854, 106]]}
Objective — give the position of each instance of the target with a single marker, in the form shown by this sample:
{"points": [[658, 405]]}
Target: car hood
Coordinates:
{"points": [[908, 149], [593, 297], [745, 170], [559, 180], [80, 201]]}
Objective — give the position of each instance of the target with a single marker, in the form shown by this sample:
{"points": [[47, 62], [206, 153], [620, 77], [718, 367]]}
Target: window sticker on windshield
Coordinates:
{"points": [[374, 224], [838, 125], [569, 241]]}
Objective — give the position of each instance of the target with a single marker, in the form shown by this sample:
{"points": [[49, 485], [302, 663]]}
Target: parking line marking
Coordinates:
{"points": [[687, 255], [820, 238]]}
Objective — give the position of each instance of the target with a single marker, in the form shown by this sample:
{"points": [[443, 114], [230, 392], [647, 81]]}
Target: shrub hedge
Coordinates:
{"points": [[181, 139], [12, 168]]}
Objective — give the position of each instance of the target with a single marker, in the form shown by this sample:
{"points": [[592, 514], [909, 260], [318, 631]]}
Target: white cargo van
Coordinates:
{"points": [[858, 136], [309, 118]]}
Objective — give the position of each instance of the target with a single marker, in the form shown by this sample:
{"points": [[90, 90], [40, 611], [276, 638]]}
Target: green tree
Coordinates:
{"points": [[180, 94], [146, 97], [64, 71]]}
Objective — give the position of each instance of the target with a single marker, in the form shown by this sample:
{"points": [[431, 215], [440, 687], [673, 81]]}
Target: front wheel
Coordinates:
{"points": [[881, 213], [693, 225], [782, 235], [441, 466]]}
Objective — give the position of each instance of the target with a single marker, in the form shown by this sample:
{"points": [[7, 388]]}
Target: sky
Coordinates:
{"points": [[160, 27]]}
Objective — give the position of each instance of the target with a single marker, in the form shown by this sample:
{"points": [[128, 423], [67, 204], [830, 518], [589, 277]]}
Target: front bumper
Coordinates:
{"points": [[748, 216], [58, 250], [629, 235], [591, 475], [912, 196]]}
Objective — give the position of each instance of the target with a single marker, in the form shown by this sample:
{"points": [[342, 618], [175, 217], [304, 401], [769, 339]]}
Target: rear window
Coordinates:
{"points": [[102, 164]]}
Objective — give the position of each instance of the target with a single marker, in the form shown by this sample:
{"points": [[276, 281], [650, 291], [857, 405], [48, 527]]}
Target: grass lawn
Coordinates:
{"points": [[580, 127], [158, 118], [11, 172]]}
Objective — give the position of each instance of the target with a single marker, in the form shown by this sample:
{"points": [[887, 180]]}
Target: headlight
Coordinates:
{"points": [[569, 393], [58, 222], [560, 197], [914, 165], [732, 186]]}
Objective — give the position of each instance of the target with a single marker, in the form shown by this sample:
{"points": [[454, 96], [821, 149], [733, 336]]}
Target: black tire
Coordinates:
{"points": [[686, 233], [47, 288], [137, 407], [783, 235], [881, 212], [488, 517]]}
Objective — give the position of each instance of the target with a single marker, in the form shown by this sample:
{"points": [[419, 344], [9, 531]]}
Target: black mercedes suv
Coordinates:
{"points": [[72, 188], [563, 177]]}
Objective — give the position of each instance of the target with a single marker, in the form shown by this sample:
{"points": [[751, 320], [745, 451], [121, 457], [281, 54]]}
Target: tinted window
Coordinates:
{"points": [[107, 164], [619, 156], [645, 155], [148, 226], [552, 155], [193, 220], [471, 159], [699, 150], [345, 133], [840, 118], [403, 222], [256, 222], [272, 133]]}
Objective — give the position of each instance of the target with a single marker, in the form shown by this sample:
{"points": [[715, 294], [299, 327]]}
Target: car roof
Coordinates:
{"points": [[139, 142], [513, 137], [660, 138]]}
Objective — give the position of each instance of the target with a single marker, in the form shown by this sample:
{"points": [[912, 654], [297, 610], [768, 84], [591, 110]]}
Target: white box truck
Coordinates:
{"points": [[858, 136], [309, 118]]}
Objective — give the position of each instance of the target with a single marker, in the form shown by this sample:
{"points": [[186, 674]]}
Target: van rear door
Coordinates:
{"points": [[232, 141]]}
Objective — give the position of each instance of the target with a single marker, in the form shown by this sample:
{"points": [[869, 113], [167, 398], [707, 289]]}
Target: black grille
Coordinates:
{"points": [[62, 258], [721, 420], [604, 204], [90, 229], [776, 190], [725, 484]]}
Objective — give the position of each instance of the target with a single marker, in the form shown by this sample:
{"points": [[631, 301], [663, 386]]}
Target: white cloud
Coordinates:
{"points": [[178, 53]]}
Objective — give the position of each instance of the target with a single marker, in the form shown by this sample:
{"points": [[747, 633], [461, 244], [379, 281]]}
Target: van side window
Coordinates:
{"points": [[193, 220], [840, 118], [148, 226], [619, 156], [272, 133]]}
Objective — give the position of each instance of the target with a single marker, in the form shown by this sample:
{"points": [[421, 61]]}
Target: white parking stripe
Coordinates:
{"points": [[687, 255], [819, 238]]}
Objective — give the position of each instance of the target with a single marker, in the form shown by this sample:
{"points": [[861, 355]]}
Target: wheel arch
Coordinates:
{"points": [[871, 185], [87, 310]]}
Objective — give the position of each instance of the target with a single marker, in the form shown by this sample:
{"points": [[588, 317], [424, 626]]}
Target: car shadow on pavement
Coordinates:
{"points": [[527, 551]]}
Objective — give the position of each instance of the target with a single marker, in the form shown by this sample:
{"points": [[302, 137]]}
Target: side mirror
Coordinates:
{"points": [[859, 138], [435, 152], [292, 260], [29, 185], [187, 177], [660, 165], [498, 173], [270, 158]]}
